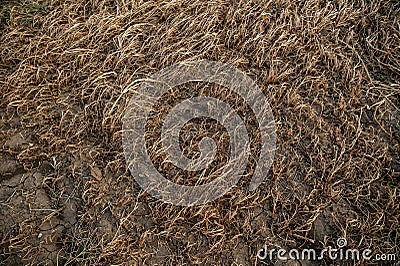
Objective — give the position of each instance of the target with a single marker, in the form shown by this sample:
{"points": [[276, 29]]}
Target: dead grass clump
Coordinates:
{"points": [[329, 68]]}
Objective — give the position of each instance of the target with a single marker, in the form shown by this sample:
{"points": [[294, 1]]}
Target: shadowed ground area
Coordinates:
{"points": [[331, 72]]}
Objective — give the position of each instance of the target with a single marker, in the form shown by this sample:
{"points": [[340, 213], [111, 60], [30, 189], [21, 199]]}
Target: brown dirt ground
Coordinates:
{"points": [[331, 70]]}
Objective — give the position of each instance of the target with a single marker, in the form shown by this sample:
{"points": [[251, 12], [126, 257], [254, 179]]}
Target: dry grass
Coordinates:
{"points": [[331, 70]]}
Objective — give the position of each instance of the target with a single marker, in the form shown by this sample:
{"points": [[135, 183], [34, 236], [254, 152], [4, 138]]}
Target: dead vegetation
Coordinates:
{"points": [[331, 70]]}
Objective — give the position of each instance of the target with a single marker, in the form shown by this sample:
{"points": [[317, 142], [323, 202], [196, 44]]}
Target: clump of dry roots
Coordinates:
{"points": [[330, 70]]}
